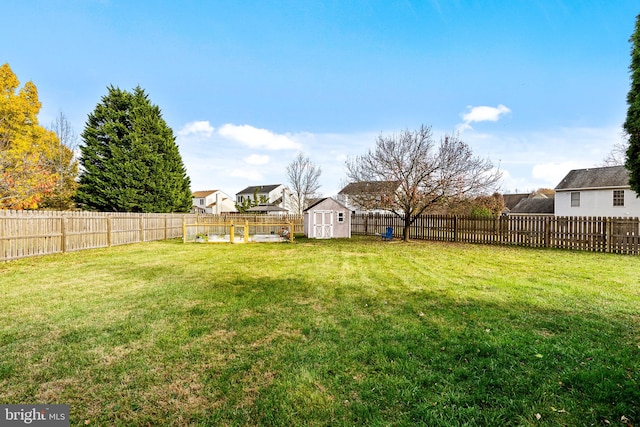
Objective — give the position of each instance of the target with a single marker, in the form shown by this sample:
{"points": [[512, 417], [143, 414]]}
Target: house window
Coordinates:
{"points": [[618, 197], [340, 216], [201, 202], [575, 199]]}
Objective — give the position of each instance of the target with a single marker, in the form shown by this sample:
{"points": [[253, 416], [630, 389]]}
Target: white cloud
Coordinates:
{"points": [[258, 138], [482, 113], [553, 172], [198, 128], [247, 175], [530, 160], [257, 159]]}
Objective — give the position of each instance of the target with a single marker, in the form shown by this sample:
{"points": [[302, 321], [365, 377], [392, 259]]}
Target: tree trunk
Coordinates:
{"points": [[405, 231]]}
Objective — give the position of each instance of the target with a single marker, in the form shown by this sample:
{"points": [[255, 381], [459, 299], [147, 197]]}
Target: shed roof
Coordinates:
{"points": [[319, 201], [605, 177]]}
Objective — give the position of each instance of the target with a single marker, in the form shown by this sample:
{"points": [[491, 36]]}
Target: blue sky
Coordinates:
{"points": [[537, 86]]}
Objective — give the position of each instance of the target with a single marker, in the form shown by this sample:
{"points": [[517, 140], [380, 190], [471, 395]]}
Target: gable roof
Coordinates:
{"points": [[261, 189], [369, 187], [606, 177], [319, 201], [512, 200], [535, 205], [200, 194]]}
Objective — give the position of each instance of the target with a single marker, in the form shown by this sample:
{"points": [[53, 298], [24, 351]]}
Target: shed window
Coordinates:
{"points": [[340, 216], [575, 199], [618, 197]]}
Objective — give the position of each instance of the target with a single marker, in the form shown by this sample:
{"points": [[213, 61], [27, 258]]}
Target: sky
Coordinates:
{"points": [[536, 86]]}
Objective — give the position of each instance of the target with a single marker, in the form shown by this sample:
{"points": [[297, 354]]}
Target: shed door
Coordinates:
{"points": [[323, 224]]}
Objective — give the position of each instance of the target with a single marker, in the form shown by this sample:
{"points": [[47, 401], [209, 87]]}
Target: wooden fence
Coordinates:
{"points": [[616, 235], [33, 233]]}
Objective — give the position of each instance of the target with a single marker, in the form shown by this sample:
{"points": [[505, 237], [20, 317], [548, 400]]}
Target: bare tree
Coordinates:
{"points": [[618, 154], [303, 177], [64, 164], [427, 175]]}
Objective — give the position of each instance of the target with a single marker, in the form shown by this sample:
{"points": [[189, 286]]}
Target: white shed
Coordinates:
{"points": [[326, 219]]}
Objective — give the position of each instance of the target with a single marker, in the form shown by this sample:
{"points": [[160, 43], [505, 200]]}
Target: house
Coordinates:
{"points": [[367, 196], [212, 202], [601, 191], [512, 200], [272, 195], [535, 204], [327, 218]]}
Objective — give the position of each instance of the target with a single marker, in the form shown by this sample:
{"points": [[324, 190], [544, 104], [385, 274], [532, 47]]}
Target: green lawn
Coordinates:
{"points": [[343, 332]]}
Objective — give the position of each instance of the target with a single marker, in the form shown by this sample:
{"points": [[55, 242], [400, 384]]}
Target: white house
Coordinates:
{"points": [[274, 195], [601, 191], [212, 202]]}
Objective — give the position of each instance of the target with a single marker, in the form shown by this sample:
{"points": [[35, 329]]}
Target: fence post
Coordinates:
{"points": [[455, 228], [607, 235], [246, 231], [547, 232], [184, 229], [63, 237], [109, 231], [231, 232], [165, 227], [141, 228]]}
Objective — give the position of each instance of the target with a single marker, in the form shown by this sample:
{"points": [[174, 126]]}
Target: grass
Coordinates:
{"points": [[342, 332]]}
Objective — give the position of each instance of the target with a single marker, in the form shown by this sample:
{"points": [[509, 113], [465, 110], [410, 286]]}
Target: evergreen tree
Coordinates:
{"points": [[632, 124], [129, 159]]}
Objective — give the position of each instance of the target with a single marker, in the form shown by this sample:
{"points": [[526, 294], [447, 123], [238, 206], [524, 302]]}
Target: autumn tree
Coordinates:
{"points": [[65, 165], [484, 206], [425, 174], [632, 123], [303, 176], [129, 158], [27, 150]]}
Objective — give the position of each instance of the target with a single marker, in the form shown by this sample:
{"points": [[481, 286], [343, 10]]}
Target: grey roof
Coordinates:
{"points": [[261, 189], [535, 205], [369, 187], [511, 200], [266, 208], [316, 202], [607, 177]]}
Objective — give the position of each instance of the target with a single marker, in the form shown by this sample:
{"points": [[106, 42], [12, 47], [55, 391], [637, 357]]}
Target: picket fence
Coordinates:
{"points": [[33, 233], [600, 234]]}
